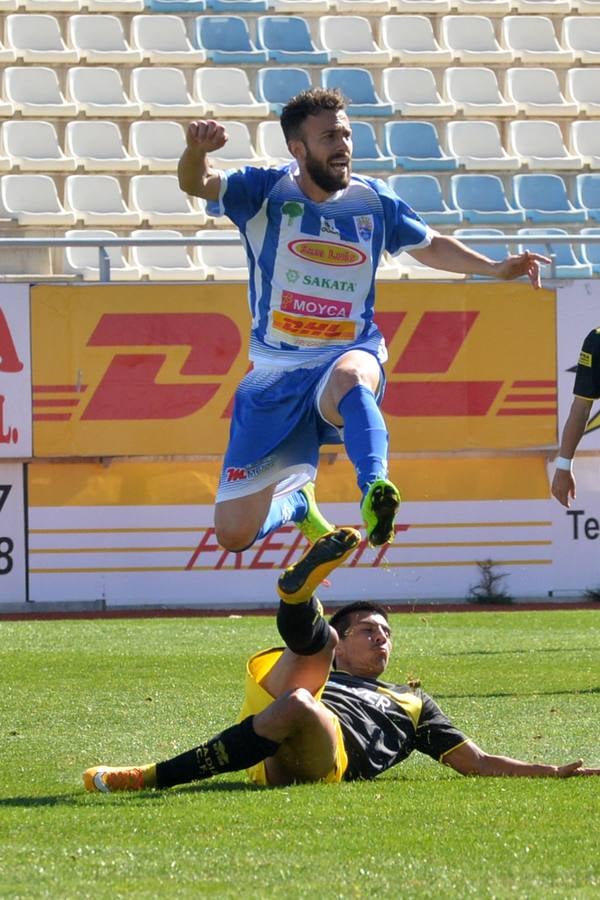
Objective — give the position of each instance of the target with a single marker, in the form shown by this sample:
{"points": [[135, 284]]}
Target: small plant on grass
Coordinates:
{"points": [[489, 589]]}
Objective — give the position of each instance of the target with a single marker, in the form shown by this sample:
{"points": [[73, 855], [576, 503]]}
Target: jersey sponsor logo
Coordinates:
{"points": [[318, 330], [330, 284], [585, 359], [241, 473], [292, 210], [315, 306], [327, 253], [328, 227]]}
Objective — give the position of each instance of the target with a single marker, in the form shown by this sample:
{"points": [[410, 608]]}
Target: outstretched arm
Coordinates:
{"points": [[469, 759], [563, 483], [445, 252], [196, 176]]}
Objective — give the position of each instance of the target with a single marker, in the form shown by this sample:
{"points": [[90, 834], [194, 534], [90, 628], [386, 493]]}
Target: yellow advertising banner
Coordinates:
{"points": [[143, 370]]}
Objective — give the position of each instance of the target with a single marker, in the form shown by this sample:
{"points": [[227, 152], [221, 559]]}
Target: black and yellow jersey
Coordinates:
{"points": [[587, 377], [383, 723]]}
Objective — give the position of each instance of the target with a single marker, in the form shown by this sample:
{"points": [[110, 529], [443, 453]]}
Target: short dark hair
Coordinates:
{"points": [[341, 620], [309, 103]]}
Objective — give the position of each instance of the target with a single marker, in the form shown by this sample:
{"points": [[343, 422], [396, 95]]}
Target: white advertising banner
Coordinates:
{"points": [[13, 577], [15, 372]]}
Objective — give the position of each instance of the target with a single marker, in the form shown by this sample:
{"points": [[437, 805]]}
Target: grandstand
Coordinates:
{"points": [[485, 114]]}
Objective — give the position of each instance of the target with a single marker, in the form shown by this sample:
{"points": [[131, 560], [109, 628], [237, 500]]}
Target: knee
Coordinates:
{"points": [[234, 538], [300, 706]]}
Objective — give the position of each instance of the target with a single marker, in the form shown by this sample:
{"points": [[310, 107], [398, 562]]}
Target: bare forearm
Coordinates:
{"points": [[574, 427], [493, 766], [446, 253], [196, 176], [469, 759]]}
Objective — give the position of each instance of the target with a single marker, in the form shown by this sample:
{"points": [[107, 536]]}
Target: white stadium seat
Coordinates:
{"points": [[238, 151], [472, 40], [38, 39], [421, 6], [370, 7], [583, 86], [118, 6], [483, 7], [99, 91], [533, 40], [163, 40], [158, 144], [7, 54], [33, 200], [536, 92], [164, 92], [585, 142], [353, 43], [33, 146], [548, 7], [271, 143], [46, 6], [476, 93], [413, 92], [167, 262], [98, 147], [98, 200], [582, 35], [411, 40], [222, 262], [35, 91], [101, 39], [226, 92], [477, 146], [540, 144], [84, 261], [161, 201]]}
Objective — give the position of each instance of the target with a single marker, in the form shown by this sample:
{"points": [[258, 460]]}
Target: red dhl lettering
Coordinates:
{"points": [[9, 358]]}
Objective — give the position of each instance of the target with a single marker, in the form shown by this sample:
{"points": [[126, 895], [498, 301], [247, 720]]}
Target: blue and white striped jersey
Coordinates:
{"points": [[312, 265]]}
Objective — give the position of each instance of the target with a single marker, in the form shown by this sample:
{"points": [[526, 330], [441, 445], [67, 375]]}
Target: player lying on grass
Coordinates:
{"points": [[301, 721]]}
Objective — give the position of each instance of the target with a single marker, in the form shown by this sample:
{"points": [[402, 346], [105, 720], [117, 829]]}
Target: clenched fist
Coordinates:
{"points": [[206, 136]]}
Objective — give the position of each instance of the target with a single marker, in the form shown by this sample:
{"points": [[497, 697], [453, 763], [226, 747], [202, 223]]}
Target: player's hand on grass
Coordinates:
{"points": [[206, 136], [563, 487], [526, 263], [575, 768]]}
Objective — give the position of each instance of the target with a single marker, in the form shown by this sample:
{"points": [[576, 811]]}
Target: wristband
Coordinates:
{"points": [[563, 463]]}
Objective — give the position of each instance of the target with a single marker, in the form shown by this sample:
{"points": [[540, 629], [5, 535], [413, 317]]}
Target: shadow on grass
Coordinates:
{"points": [[526, 651], [82, 798], [520, 694]]}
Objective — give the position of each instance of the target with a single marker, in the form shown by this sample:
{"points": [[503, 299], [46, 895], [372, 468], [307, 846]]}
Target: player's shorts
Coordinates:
{"points": [[257, 698], [277, 431]]}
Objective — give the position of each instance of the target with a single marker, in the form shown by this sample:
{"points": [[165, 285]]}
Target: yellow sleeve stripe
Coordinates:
{"points": [[460, 744]]}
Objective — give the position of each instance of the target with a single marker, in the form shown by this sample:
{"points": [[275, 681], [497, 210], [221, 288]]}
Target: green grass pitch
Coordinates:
{"points": [[78, 693]]}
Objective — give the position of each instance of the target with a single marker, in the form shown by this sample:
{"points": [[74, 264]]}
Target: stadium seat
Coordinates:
{"points": [[588, 194], [228, 6], [38, 39], [238, 151], [226, 92], [388, 269], [416, 146], [352, 44], [270, 144], [99, 91], [7, 54], [413, 92], [222, 262], [158, 145], [9, 6], [582, 35], [477, 145], [275, 85], [43, 6], [226, 40], [35, 91], [583, 86], [34, 147], [32, 200], [472, 40], [118, 6], [98, 147], [587, 7], [177, 6], [98, 200], [566, 264], [548, 7], [540, 145], [312, 7], [167, 262], [422, 6], [424, 194], [370, 7], [483, 7], [536, 92], [357, 85], [533, 40], [475, 92], [411, 268], [100, 39], [482, 198], [496, 251], [163, 91], [287, 39], [161, 201], [366, 154], [585, 142], [544, 198], [411, 40], [590, 252], [84, 261], [162, 39]]}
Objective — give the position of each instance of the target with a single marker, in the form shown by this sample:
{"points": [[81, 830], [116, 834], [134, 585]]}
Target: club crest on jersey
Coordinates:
{"points": [[364, 226]]}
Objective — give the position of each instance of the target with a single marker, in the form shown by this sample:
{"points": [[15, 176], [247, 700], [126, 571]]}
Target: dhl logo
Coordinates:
{"points": [[419, 375], [318, 329], [327, 253]]}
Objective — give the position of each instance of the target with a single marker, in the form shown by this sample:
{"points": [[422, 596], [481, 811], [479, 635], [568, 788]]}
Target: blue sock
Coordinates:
{"points": [[365, 435], [290, 508]]}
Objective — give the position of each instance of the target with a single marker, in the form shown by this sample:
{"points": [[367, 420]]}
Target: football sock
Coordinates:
{"points": [[290, 508], [238, 747], [365, 435], [302, 626]]}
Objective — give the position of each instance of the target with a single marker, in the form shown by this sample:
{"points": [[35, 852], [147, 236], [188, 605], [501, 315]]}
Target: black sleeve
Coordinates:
{"points": [[436, 734], [587, 376]]}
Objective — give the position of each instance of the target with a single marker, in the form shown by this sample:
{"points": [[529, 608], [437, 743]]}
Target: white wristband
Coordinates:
{"points": [[563, 463]]}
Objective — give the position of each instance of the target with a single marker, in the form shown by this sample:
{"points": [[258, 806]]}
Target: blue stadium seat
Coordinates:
{"points": [[366, 153], [544, 198], [590, 253], [424, 194], [226, 39], [416, 145], [287, 39], [275, 85], [482, 198], [588, 194], [566, 262], [176, 6], [494, 251], [358, 86], [238, 5]]}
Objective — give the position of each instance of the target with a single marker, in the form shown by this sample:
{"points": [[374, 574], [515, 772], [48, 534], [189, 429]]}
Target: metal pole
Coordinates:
{"points": [[103, 264]]}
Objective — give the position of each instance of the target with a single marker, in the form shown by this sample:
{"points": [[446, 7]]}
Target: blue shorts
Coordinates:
{"points": [[277, 431]]}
